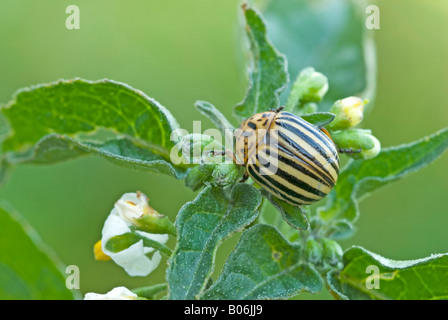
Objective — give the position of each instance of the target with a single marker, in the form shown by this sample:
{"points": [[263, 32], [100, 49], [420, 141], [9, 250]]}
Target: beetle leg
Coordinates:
{"points": [[245, 177]]}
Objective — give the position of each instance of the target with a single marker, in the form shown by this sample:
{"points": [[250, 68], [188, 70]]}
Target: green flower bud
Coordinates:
{"points": [[340, 230], [313, 251], [358, 143], [195, 146], [308, 108], [349, 112], [226, 174], [198, 176], [332, 252], [218, 174], [315, 222], [310, 86], [157, 224]]}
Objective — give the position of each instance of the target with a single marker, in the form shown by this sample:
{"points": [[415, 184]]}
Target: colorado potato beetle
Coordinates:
{"points": [[287, 156]]}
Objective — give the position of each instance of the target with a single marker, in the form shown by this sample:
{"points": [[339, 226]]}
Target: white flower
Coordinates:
{"points": [[137, 260], [119, 293]]}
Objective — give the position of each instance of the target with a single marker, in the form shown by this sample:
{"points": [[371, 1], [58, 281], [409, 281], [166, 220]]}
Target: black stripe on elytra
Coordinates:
{"points": [[322, 175], [323, 137], [282, 188], [297, 132], [291, 179], [298, 165], [302, 151], [264, 184], [319, 135]]}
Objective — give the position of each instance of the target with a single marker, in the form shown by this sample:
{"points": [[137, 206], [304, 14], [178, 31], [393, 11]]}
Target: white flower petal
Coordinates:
{"points": [[119, 293], [132, 206], [161, 238], [113, 226], [134, 260]]}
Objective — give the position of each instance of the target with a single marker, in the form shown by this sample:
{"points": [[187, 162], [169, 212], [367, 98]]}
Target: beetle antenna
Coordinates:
{"points": [[278, 109]]}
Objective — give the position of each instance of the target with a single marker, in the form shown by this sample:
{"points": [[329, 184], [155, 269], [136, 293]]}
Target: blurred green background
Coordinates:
{"points": [[182, 51]]}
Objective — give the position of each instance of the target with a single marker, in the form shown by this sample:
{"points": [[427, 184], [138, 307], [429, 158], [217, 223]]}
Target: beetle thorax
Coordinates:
{"points": [[251, 132]]}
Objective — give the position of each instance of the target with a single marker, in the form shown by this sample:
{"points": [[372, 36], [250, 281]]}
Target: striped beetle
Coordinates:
{"points": [[287, 156]]}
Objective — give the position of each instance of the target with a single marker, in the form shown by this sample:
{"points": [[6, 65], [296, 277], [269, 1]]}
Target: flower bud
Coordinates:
{"points": [[308, 108], [332, 252], [226, 174], [195, 146], [349, 112], [198, 176], [358, 143], [218, 174], [340, 230], [119, 293], [310, 86], [313, 251], [134, 208]]}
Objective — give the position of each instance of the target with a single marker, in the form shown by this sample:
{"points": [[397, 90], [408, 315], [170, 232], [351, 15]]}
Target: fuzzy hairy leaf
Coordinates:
{"points": [[422, 279], [120, 151], [319, 119], [47, 122], [267, 74], [202, 225], [359, 178], [294, 216], [264, 265], [74, 106], [215, 116]]}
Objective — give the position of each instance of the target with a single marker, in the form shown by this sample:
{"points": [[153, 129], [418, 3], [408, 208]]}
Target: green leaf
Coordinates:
{"points": [[151, 292], [267, 74], [5, 169], [329, 36], [140, 126], [264, 265], [28, 271], [319, 119], [309, 87], [293, 215], [4, 129], [215, 116], [422, 279], [201, 226], [75, 107], [121, 151], [359, 178]]}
